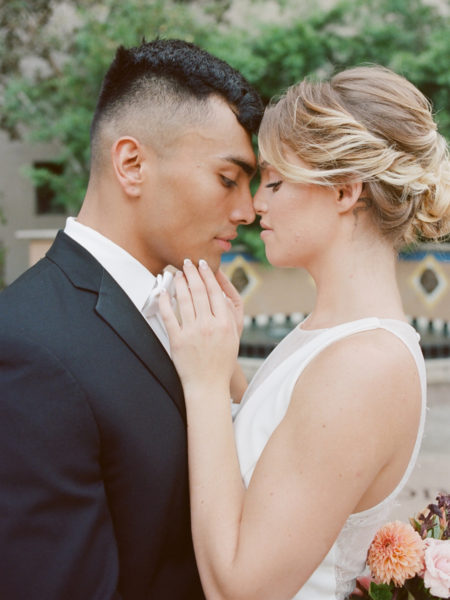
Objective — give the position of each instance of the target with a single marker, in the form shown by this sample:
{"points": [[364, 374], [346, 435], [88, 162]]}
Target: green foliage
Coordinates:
{"points": [[381, 591], [413, 589], [56, 105], [59, 108], [249, 237]]}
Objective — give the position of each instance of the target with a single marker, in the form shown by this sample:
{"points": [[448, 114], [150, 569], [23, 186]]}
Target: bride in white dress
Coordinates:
{"points": [[286, 500]]}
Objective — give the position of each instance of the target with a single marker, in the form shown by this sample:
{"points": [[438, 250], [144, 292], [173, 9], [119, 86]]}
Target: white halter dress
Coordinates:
{"points": [[264, 406]]}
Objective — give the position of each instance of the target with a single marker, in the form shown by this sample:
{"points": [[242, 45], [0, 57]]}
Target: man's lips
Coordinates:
{"points": [[225, 241]]}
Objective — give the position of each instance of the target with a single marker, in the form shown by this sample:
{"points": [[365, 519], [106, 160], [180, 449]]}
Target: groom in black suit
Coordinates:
{"points": [[93, 471]]}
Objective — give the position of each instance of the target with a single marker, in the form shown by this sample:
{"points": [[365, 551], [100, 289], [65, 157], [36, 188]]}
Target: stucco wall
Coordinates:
{"points": [[270, 290], [17, 202]]}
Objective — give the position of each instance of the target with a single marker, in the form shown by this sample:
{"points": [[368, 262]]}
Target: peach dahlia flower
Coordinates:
{"points": [[396, 553]]}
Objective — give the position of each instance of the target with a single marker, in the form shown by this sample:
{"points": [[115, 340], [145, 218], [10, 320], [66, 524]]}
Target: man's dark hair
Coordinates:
{"points": [[175, 69]]}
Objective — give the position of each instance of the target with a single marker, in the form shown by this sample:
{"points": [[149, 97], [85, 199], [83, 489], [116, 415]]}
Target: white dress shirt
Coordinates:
{"points": [[135, 280]]}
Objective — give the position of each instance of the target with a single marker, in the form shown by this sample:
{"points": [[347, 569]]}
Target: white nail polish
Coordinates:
{"points": [[187, 261], [202, 264]]}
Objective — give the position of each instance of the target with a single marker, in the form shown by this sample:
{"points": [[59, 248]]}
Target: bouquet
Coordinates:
{"points": [[410, 561]]}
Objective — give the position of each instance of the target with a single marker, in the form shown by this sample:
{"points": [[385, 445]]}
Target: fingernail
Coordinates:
{"points": [[179, 274], [202, 264], [187, 261]]}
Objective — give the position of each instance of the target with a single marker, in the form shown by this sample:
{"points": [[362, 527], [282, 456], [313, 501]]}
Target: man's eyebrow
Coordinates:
{"points": [[247, 167]]}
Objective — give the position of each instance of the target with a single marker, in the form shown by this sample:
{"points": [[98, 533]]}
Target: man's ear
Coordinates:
{"points": [[348, 196], [127, 158]]}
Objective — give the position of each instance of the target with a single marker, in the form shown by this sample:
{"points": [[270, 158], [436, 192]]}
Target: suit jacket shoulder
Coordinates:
{"points": [[93, 427]]}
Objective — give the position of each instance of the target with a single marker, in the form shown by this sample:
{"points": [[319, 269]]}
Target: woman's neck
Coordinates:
{"points": [[354, 285]]}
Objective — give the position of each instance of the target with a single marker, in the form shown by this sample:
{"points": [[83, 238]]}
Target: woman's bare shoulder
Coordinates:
{"points": [[368, 376]]}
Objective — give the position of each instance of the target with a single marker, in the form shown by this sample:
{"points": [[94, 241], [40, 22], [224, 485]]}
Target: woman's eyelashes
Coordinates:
{"points": [[275, 185], [227, 182]]}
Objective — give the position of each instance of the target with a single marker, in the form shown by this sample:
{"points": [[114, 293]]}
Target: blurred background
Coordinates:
{"points": [[52, 59]]}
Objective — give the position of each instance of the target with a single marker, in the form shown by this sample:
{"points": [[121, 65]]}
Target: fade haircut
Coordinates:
{"points": [[154, 89]]}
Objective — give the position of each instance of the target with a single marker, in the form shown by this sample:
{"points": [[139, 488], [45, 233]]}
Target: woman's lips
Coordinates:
{"points": [[265, 230]]}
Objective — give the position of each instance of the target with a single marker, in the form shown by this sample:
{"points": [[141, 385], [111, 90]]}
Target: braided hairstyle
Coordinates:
{"points": [[366, 124]]}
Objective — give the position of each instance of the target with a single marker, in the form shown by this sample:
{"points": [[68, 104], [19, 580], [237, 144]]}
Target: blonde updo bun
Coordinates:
{"points": [[372, 125]]}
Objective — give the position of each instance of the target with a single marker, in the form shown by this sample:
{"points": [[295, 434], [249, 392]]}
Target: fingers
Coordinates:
{"points": [[228, 287], [235, 301], [219, 303], [197, 290], [168, 315], [184, 299], [199, 295], [206, 293]]}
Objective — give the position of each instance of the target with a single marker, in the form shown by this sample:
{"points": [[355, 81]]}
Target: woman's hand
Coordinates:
{"points": [[205, 344], [235, 300]]}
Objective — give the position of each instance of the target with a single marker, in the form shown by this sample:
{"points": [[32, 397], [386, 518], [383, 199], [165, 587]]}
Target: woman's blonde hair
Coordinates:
{"points": [[366, 124]]}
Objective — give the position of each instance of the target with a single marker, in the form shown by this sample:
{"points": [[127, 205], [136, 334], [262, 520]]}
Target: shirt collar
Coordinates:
{"points": [[129, 273]]}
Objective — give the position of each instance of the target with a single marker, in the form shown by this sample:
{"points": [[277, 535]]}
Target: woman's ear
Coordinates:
{"points": [[348, 196], [127, 158]]}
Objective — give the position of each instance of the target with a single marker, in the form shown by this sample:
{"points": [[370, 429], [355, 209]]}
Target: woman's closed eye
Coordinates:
{"points": [[275, 185]]}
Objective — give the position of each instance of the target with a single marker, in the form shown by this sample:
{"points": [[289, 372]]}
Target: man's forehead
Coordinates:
{"points": [[219, 146]]}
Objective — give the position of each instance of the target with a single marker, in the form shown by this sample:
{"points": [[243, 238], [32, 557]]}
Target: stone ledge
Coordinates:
{"points": [[438, 370]]}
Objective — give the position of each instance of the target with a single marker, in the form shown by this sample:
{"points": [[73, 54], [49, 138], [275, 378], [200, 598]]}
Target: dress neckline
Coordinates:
{"points": [[362, 320]]}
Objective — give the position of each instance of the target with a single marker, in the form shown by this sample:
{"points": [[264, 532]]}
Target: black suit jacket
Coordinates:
{"points": [[93, 469]]}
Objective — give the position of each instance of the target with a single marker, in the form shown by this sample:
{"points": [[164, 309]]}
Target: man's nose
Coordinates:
{"points": [[243, 211]]}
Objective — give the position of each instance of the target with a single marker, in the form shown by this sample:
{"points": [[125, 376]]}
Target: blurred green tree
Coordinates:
{"points": [[55, 102]]}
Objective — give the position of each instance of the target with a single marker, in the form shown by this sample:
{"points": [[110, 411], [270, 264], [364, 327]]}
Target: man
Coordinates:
{"points": [[93, 474]]}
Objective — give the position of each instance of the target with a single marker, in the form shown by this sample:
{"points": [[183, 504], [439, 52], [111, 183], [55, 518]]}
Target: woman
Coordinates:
{"points": [[285, 504]]}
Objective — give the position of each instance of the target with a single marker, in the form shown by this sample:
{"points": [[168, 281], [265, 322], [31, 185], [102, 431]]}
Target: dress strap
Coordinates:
{"points": [[325, 338]]}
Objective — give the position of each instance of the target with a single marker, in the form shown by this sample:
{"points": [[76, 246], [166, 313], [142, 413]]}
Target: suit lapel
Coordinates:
{"points": [[119, 312], [116, 309]]}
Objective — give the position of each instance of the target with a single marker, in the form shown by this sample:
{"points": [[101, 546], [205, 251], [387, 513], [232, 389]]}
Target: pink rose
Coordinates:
{"points": [[437, 567]]}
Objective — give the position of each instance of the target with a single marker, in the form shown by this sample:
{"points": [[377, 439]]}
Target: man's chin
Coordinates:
{"points": [[214, 262]]}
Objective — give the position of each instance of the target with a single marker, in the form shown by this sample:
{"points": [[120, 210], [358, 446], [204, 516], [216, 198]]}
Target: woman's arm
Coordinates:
{"points": [[238, 384], [352, 409]]}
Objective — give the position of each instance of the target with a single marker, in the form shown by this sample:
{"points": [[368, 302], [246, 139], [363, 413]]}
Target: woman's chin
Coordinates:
{"points": [[283, 261], [276, 260]]}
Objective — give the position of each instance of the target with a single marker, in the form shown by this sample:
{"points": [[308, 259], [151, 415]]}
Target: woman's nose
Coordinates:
{"points": [[259, 205]]}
